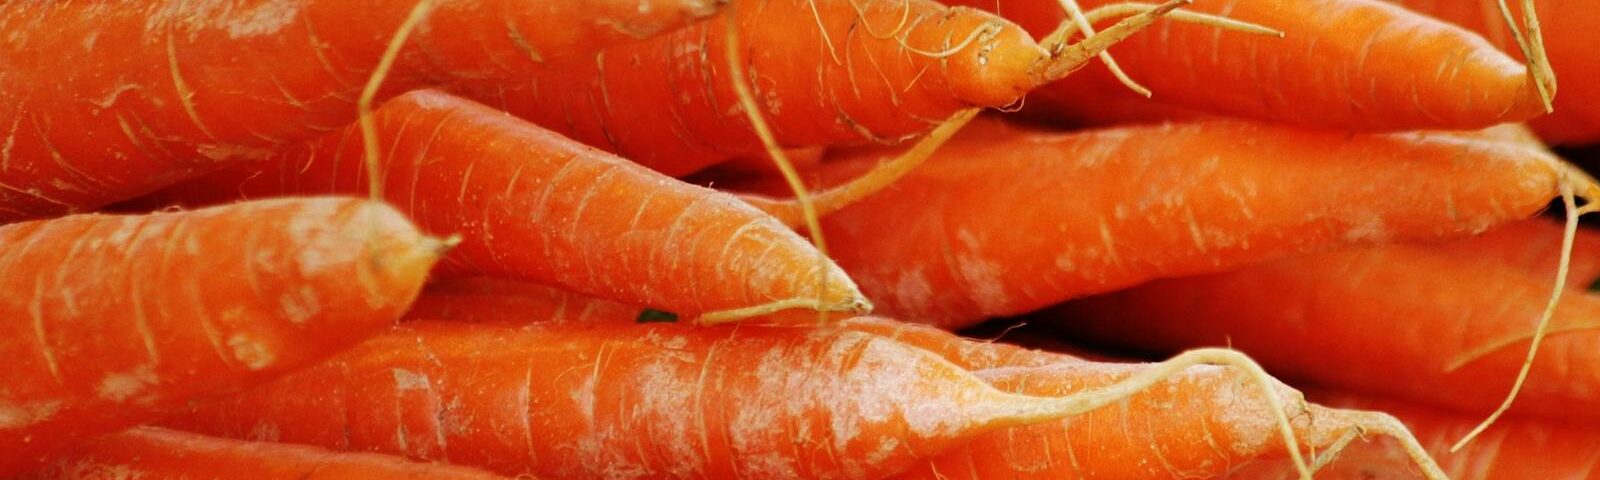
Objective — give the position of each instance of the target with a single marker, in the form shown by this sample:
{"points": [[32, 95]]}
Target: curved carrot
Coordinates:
{"points": [[110, 319], [156, 454], [1395, 320], [1570, 28], [825, 72], [535, 206], [104, 101], [1358, 65], [576, 401], [1097, 211]]}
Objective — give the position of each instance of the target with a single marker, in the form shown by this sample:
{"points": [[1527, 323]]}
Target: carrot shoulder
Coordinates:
{"points": [[102, 101], [1361, 65], [535, 206], [1395, 320], [149, 453], [111, 319], [1045, 217]]}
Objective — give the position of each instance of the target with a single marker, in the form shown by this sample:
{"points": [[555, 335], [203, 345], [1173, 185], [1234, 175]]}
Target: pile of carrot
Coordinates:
{"points": [[798, 239]]}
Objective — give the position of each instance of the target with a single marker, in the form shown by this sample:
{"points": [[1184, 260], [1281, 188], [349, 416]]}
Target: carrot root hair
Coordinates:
{"points": [[1571, 180], [1363, 424], [1068, 57], [885, 174], [1531, 43], [854, 305]]}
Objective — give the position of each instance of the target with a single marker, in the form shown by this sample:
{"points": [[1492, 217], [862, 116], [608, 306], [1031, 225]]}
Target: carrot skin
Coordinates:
{"points": [[1532, 247], [1335, 319], [149, 453], [534, 206], [116, 318], [579, 401], [1352, 65], [1570, 29], [105, 101], [1139, 203], [862, 88]]}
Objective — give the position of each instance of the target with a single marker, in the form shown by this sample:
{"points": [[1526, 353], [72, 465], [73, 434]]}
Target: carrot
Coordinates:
{"points": [[156, 454], [1570, 27], [1359, 65], [1512, 449], [111, 319], [492, 300], [823, 71], [532, 205], [105, 101], [1331, 318], [591, 400], [1147, 202], [1532, 247]]}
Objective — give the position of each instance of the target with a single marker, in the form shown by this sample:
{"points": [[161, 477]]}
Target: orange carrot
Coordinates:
{"points": [[1532, 247], [1358, 65], [591, 400], [1511, 449], [156, 454], [1396, 320], [535, 206], [111, 319], [1570, 29], [492, 300], [1149, 202], [104, 101], [823, 72]]}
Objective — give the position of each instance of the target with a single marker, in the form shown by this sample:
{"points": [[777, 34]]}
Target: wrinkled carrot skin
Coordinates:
{"points": [[1387, 321], [102, 101], [1532, 247], [874, 89], [110, 319], [1355, 65], [1512, 448], [532, 205], [579, 401], [1570, 28], [1117, 207], [149, 453]]}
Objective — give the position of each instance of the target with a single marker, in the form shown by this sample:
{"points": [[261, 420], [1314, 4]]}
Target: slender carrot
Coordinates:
{"points": [[1515, 448], [1199, 424], [110, 319], [156, 454], [103, 101], [1396, 320], [1570, 28], [535, 206], [824, 72], [591, 400], [1147, 202], [1342, 64]]}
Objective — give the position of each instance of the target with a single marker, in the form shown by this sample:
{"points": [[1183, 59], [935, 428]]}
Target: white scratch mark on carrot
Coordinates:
{"points": [[185, 95], [119, 387]]}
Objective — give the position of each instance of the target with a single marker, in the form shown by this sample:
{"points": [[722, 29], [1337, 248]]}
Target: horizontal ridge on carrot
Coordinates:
{"points": [[1046, 216], [102, 101], [108, 320], [149, 453], [1354, 65], [875, 70], [1395, 320], [535, 206]]}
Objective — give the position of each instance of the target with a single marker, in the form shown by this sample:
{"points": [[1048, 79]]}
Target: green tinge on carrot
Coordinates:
{"points": [[534, 206], [149, 453], [115, 318]]}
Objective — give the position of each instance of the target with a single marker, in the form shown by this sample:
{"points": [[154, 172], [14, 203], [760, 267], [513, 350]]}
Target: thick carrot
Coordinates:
{"points": [[110, 319], [824, 72], [103, 101], [1358, 65], [535, 206], [1149, 202], [149, 453], [1393, 320], [1570, 29], [591, 400], [1514, 448]]}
